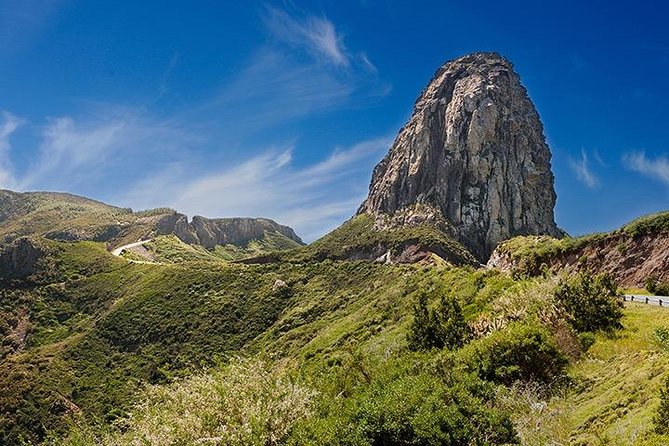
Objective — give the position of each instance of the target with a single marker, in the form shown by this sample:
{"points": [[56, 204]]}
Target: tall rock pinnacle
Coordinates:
{"points": [[472, 159]]}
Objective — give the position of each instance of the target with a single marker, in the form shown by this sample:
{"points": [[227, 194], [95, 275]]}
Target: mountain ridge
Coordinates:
{"points": [[64, 216]]}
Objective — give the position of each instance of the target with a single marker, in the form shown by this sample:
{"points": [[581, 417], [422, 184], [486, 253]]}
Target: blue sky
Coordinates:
{"points": [[281, 109]]}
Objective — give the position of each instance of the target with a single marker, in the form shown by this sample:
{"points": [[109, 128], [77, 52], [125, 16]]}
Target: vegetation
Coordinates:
{"points": [[650, 224], [407, 400], [658, 288], [591, 301], [244, 403], [662, 415], [531, 255], [69, 217], [269, 243], [443, 327], [523, 351], [614, 395], [335, 352], [357, 238]]}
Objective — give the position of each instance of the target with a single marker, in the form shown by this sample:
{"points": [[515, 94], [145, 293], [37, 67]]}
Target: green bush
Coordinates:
{"points": [[444, 326], [591, 301], [248, 402], [406, 403], [661, 335], [520, 352], [658, 288], [662, 414]]}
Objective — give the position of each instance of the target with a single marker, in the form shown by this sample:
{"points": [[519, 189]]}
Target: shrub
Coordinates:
{"points": [[246, 403], [661, 335], [406, 403], [590, 301], [520, 352], [662, 414], [655, 287], [442, 327]]}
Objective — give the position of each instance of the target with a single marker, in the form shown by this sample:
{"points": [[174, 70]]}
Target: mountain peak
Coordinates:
{"points": [[472, 159]]}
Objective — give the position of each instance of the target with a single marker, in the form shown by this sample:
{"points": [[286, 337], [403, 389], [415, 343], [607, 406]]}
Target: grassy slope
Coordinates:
{"points": [[615, 393], [615, 386], [39, 213], [357, 239], [270, 242], [93, 337], [529, 252], [113, 324]]}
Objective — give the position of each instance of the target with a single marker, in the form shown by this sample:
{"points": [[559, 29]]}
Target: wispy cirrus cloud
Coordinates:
{"points": [[278, 84], [311, 198], [583, 170], [316, 35], [219, 157], [656, 168], [99, 153], [8, 126]]}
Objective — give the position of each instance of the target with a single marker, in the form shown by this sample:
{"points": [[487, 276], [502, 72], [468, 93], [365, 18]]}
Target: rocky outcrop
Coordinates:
{"points": [[472, 160], [210, 232], [236, 231], [60, 216], [630, 260], [21, 258]]}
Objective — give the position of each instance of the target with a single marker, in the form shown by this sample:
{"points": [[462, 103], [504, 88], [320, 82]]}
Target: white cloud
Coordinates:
{"points": [[656, 168], [225, 156], [583, 171], [311, 199], [8, 126], [316, 35], [83, 155]]}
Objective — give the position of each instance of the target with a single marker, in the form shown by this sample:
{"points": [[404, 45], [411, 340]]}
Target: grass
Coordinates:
{"points": [[65, 216], [358, 239], [100, 326], [102, 329], [615, 390], [530, 252], [649, 224]]}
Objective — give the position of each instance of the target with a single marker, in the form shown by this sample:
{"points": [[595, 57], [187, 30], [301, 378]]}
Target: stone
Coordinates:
{"points": [[472, 159]]}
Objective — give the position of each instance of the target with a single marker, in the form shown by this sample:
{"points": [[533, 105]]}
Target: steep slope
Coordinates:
{"points": [[59, 216], [357, 239], [472, 160], [632, 254], [67, 217]]}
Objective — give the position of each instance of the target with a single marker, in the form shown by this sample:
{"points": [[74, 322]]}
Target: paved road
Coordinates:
{"points": [[117, 252], [662, 301]]}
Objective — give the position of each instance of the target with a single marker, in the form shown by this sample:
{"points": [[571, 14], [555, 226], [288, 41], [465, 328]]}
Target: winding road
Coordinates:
{"points": [[118, 251]]}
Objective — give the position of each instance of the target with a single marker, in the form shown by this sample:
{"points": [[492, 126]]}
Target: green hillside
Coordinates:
{"points": [[530, 250], [339, 341], [357, 239], [65, 216]]}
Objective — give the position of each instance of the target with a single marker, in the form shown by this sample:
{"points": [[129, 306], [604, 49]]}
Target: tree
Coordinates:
{"points": [[441, 327], [591, 301]]}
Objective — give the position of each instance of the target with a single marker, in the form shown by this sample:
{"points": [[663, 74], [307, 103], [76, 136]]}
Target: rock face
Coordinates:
{"points": [[60, 216], [236, 231], [210, 232], [472, 159], [20, 259]]}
